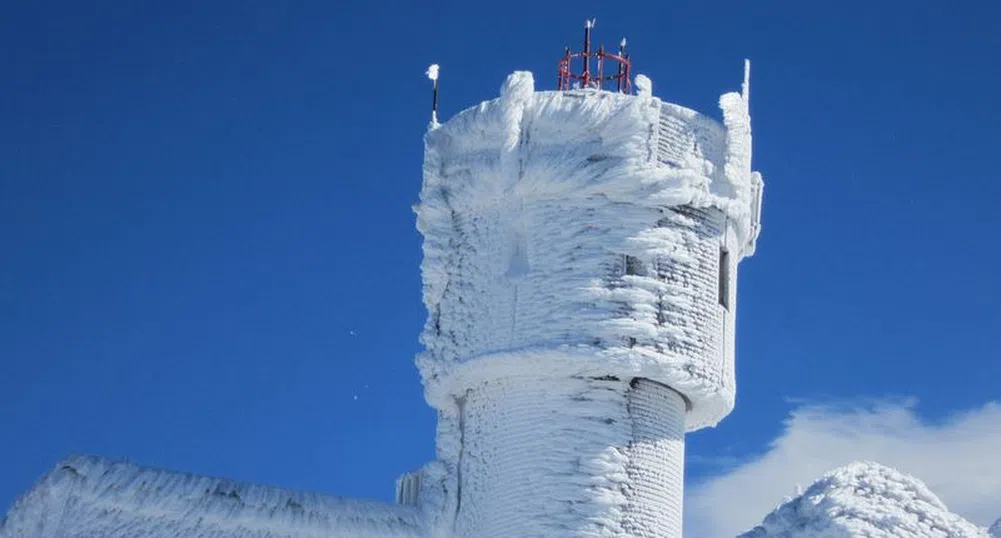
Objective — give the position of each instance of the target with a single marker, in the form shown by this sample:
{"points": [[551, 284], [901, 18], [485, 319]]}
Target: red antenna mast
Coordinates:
{"points": [[587, 78]]}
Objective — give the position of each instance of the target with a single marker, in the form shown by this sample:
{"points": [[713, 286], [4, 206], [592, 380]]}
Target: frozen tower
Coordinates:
{"points": [[580, 267]]}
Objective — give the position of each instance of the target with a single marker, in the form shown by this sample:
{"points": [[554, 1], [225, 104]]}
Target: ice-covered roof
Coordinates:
{"points": [[91, 497], [865, 499]]}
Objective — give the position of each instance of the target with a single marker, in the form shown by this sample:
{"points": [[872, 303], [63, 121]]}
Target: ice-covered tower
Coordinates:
{"points": [[580, 262]]}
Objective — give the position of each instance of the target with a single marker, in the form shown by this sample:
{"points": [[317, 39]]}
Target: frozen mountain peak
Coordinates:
{"points": [[518, 86], [995, 530]]}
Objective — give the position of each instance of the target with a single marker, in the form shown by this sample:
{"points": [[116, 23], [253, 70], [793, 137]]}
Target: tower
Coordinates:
{"points": [[580, 266]]}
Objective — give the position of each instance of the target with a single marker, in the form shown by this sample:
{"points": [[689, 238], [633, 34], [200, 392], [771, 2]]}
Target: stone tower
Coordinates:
{"points": [[580, 266]]}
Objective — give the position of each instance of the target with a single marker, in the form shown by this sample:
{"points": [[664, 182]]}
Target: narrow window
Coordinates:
{"points": [[724, 278], [633, 266]]}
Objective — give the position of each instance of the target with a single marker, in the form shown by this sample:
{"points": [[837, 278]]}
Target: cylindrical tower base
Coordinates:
{"points": [[569, 458]]}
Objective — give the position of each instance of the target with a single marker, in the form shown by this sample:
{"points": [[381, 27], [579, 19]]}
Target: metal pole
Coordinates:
{"points": [[564, 69], [618, 73], [601, 66], [434, 101], [587, 53]]}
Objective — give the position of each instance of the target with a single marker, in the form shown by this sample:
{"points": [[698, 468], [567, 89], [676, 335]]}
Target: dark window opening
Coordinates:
{"points": [[634, 266], [724, 278]]}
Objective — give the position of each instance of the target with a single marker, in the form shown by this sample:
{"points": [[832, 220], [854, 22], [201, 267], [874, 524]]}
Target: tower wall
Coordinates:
{"points": [[579, 272], [570, 457]]}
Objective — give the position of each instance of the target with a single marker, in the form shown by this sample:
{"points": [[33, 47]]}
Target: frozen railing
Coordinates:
{"points": [[408, 487]]}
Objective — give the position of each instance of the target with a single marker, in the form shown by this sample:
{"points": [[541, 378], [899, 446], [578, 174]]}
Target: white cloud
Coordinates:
{"points": [[958, 458]]}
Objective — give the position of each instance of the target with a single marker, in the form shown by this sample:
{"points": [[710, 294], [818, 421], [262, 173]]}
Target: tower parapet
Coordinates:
{"points": [[582, 233]]}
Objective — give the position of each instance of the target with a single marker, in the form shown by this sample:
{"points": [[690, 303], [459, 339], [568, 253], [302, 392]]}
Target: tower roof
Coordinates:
{"points": [[88, 496]]}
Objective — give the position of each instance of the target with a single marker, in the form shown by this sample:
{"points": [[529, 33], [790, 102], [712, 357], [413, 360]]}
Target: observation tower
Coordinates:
{"points": [[581, 248]]}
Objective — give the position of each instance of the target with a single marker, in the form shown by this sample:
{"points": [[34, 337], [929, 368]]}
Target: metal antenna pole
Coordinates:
{"points": [[618, 74], [432, 73], [587, 52], [434, 101], [564, 69], [601, 66]]}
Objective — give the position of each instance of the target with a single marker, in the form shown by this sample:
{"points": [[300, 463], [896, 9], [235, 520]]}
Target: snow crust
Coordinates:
{"points": [[91, 497], [577, 234], [865, 499], [564, 457], [995, 530]]}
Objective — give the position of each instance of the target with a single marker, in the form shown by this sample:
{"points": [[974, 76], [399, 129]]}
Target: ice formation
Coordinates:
{"points": [[578, 234], [865, 499], [90, 497], [580, 261]]}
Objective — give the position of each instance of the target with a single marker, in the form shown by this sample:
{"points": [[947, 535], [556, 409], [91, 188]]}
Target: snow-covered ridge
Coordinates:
{"points": [[865, 499], [579, 234], [87, 496]]}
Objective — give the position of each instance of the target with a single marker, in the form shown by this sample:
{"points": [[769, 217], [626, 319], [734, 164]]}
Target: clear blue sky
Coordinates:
{"points": [[208, 259]]}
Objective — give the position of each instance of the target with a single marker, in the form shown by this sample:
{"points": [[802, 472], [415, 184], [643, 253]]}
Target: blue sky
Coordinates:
{"points": [[209, 260]]}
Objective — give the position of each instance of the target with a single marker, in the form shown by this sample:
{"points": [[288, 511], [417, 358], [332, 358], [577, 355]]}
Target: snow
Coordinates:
{"points": [[88, 497], [995, 530], [572, 243], [865, 499], [531, 206], [644, 86], [569, 457]]}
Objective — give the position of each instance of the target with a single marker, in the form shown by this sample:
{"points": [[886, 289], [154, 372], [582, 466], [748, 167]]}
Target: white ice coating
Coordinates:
{"points": [[579, 234], [580, 320], [570, 458], [89, 497], [869, 500]]}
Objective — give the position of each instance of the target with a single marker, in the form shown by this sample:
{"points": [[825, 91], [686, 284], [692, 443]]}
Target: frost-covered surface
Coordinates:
{"points": [[569, 458], [995, 530], [578, 234], [89, 497], [573, 243], [867, 500]]}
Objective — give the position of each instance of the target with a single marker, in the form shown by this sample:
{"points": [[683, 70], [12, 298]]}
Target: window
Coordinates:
{"points": [[724, 278], [633, 266]]}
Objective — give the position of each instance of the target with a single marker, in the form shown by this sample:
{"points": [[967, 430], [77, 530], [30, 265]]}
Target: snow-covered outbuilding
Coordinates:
{"points": [[581, 250]]}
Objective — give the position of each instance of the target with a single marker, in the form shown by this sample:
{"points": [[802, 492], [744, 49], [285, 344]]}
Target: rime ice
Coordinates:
{"points": [[580, 262], [588, 227], [865, 499]]}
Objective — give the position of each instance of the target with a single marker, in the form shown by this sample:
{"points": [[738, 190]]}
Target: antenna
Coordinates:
{"points": [[618, 77], [588, 24], [745, 89], [432, 74], [587, 79]]}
